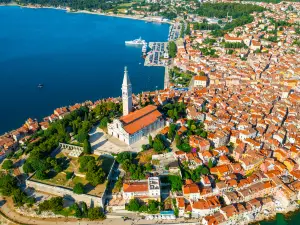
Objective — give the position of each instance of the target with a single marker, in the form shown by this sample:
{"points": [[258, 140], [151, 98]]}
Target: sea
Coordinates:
{"points": [[76, 56], [280, 219]]}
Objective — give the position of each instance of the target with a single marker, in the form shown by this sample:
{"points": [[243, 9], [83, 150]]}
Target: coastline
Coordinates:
{"points": [[8, 131], [68, 10]]}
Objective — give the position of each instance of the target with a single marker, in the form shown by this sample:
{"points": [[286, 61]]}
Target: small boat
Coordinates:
{"points": [[40, 86]]}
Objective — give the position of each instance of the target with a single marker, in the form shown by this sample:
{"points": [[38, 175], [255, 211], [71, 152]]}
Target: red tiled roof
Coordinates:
{"points": [[141, 118], [135, 187]]}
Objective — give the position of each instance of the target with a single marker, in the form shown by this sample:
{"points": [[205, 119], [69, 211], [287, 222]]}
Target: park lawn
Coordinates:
{"points": [[128, 4], [77, 180]]}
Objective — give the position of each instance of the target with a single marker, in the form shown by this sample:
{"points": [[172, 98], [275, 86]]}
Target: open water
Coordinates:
{"points": [[76, 56]]}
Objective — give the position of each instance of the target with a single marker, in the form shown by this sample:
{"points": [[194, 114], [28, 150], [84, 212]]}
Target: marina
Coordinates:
{"points": [[174, 31], [158, 56]]}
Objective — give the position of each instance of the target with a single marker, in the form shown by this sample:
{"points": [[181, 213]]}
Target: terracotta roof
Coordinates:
{"points": [[131, 117], [201, 78], [139, 119], [135, 187]]}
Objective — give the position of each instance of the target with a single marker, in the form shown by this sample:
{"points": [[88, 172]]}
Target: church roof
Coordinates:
{"points": [[139, 119]]}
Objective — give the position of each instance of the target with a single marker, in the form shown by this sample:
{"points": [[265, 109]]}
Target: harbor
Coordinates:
{"points": [[158, 55], [174, 31]]}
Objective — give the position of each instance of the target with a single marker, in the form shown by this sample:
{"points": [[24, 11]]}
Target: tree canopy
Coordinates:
{"points": [[172, 48], [7, 164]]}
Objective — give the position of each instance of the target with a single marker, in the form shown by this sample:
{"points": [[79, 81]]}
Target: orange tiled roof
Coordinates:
{"points": [[135, 187], [141, 118]]}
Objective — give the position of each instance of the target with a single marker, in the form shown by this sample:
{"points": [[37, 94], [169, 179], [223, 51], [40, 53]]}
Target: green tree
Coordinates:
{"points": [[87, 149], [158, 144], [54, 204], [95, 213], [84, 210], [172, 48], [176, 182], [204, 171], [177, 140], [133, 205], [7, 164], [19, 197], [150, 140], [83, 161], [41, 175], [7, 184], [153, 206], [121, 157], [210, 164], [172, 131], [78, 188], [104, 122], [95, 175], [69, 175], [77, 210]]}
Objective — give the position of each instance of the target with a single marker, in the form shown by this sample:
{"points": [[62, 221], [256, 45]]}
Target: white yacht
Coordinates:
{"points": [[136, 42]]}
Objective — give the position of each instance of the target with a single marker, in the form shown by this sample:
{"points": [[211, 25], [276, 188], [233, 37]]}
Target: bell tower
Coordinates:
{"points": [[126, 94]]}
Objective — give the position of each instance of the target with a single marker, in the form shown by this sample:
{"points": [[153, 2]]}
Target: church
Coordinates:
{"points": [[132, 126]]}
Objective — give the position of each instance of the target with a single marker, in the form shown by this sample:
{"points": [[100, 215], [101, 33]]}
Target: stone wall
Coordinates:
{"points": [[90, 200]]}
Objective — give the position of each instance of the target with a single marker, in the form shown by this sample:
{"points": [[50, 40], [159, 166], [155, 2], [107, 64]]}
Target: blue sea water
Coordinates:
{"points": [[76, 56]]}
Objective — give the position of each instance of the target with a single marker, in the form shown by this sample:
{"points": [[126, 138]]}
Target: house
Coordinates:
{"points": [[203, 207], [144, 190], [196, 141], [191, 190], [200, 81]]}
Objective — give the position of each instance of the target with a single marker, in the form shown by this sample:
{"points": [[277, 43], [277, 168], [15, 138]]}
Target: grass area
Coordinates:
{"points": [[58, 179], [77, 180], [146, 156], [179, 78], [126, 4], [66, 212]]}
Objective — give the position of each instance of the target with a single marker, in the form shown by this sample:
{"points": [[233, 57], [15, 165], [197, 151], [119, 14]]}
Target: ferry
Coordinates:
{"points": [[136, 42]]}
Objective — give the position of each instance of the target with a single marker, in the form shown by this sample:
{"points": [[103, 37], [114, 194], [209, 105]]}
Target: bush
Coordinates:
{"points": [[54, 204], [78, 188], [95, 213]]}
